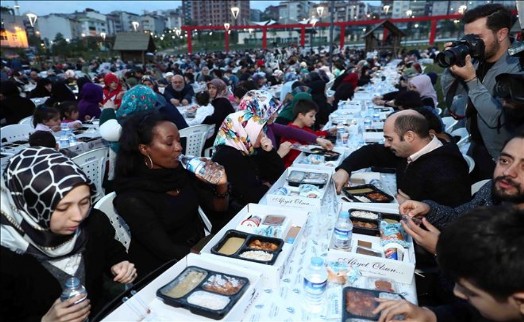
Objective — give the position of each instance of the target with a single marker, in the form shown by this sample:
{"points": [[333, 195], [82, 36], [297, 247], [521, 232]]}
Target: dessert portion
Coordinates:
{"points": [[364, 224]]}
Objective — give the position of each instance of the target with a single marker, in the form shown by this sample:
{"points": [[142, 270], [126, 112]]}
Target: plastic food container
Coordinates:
{"points": [[204, 292], [359, 303], [297, 178], [249, 247], [367, 193]]}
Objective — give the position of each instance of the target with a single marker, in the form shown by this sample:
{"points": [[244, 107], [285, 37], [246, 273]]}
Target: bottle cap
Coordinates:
{"points": [[317, 261], [72, 282], [344, 214]]}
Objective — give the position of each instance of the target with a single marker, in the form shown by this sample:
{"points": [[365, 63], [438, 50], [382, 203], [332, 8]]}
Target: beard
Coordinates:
{"points": [[491, 52], [501, 195]]}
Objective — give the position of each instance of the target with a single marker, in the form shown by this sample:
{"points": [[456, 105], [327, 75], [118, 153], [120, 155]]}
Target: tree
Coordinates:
{"points": [[60, 46]]}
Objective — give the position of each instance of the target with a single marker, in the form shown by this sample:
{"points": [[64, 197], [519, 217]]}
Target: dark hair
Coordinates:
{"points": [[136, 130], [304, 107], [416, 123], [484, 247], [343, 92], [518, 135], [42, 138], [202, 98], [43, 114], [66, 108], [240, 91], [434, 122], [297, 84], [498, 16], [408, 99]]}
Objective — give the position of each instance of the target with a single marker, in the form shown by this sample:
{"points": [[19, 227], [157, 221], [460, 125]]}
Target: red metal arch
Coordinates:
{"points": [[342, 24]]}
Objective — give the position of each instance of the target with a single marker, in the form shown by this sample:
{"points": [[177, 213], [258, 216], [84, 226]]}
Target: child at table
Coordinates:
{"points": [[43, 139], [304, 115], [46, 119], [203, 110], [69, 114]]}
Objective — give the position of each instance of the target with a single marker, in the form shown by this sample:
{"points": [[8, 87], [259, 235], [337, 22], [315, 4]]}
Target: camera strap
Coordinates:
{"points": [[449, 100]]}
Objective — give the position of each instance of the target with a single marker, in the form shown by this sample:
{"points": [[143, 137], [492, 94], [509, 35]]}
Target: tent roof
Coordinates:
{"points": [[388, 25], [134, 41]]}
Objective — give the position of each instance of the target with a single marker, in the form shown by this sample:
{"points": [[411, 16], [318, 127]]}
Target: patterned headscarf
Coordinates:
{"points": [[260, 103], [138, 98], [240, 130], [35, 181], [220, 86]]}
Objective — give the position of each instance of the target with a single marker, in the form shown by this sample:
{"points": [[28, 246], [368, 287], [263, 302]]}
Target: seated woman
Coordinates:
{"points": [[218, 93], [157, 197], [422, 84], [247, 154], [50, 235]]}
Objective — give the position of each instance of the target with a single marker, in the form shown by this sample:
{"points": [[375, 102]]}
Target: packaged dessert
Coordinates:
{"points": [[296, 178], [360, 303], [204, 292], [382, 284], [251, 247], [367, 193], [273, 226], [392, 233]]}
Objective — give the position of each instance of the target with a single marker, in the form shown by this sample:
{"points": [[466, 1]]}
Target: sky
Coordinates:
{"points": [[43, 7]]}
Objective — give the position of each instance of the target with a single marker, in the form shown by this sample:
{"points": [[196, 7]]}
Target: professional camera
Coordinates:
{"points": [[469, 45], [510, 87]]}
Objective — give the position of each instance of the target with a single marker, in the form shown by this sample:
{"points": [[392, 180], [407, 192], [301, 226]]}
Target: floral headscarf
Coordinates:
{"points": [[35, 181], [138, 98], [260, 103], [240, 130]]}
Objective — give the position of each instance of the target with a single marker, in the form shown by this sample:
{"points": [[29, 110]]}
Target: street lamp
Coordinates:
{"points": [[462, 9], [32, 18], [386, 9], [177, 32], [409, 12], [103, 35], [227, 25], [135, 25], [235, 11]]}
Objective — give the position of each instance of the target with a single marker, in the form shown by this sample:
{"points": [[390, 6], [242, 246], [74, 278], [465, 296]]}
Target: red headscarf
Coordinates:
{"points": [[108, 93], [351, 78]]}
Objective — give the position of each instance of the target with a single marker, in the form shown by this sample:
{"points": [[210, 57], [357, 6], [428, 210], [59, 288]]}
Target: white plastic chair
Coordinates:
{"points": [[206, 221], [470, 162], [122, 231], [328, 91], [93, 163], [477, 185], [449, 123], [196, 137], [15, 132], [463, 133], [27, 120]]}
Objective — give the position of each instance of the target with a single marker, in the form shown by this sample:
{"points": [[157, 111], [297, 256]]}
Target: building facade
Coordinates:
{"points": [[214, 12]]}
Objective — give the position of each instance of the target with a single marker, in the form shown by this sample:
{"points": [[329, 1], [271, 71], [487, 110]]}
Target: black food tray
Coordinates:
{"points": [[201, 283], [359, 303], [244, 247], [368, 191], [296, 178], [328, 155], [366, 230]]}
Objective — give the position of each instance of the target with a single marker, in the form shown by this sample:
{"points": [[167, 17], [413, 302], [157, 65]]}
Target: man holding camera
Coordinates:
{"points": [[485, 26]]}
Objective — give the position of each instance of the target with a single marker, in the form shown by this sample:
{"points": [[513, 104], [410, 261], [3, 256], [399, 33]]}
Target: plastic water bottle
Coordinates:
{"points": [[72, 138], [343, 232], [63, 140], [199, 167], [72, 288], [315, 282]]}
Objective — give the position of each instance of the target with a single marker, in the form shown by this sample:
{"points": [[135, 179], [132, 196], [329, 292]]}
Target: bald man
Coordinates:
{"points": [[426, 168], [179, 93]]}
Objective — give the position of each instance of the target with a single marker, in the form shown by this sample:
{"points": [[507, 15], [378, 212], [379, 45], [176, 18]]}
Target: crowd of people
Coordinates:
{"points": [[50, 231]]}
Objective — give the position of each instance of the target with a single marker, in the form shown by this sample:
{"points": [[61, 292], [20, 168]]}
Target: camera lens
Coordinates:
{"points": [[502, 89], [446, 58]]}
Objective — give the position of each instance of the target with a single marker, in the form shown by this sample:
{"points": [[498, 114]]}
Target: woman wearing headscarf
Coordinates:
{"points": [[218, 94], [89, 104], [422, 84], [318, 93], [14, 107], [157, 197], [43, 88], [49, 233], [113, 91], [247, 154]]}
